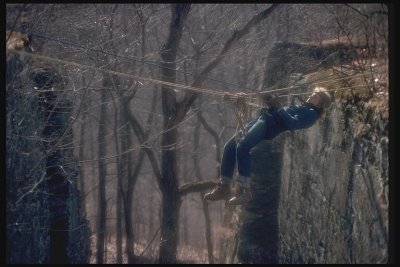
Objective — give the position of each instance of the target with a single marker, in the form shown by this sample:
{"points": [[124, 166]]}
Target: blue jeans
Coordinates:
{"points": [[265, 127]]}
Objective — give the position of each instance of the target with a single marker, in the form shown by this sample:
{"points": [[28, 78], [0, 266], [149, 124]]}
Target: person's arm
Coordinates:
{"points": [[298, 116], [272, 100]]}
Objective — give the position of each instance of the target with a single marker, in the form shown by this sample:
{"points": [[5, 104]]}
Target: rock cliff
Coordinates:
{"points": [[320, 194]]}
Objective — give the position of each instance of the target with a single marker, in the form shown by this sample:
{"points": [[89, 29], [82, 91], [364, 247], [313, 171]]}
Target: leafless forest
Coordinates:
{"points": [[116, 121]]}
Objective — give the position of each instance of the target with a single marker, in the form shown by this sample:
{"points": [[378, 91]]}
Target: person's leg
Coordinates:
{"points": [[222, 189], [228, 160], [256, 134]]}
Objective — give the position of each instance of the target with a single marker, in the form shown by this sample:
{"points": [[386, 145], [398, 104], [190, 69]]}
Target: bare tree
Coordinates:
{"points": [[174, 112], [196, 162], [169, 182], [102, 166]]}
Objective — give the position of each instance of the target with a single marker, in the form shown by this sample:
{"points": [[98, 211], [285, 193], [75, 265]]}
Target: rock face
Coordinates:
{"points": [[45, 222], [259, 233], [287, 58], [334, 190], [320, 194]]}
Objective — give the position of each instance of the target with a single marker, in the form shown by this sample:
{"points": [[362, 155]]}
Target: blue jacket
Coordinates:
{"points": [[292, 117], [296, 117]]}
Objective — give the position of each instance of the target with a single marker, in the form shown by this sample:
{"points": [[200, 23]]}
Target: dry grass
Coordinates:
{"points": [[186, 254], [371, 88]]}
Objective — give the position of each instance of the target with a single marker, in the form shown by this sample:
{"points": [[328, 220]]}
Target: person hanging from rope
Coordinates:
{"points": [[272, 120]]}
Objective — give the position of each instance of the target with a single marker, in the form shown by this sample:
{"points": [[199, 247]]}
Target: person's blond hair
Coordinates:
{"points": [[326, 99]]}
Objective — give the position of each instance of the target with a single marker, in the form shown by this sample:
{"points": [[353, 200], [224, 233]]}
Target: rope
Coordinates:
{"points": [[186, 87], [240, 106], [185, 72], [131, 76], [318, 82], [134, 59], [332, 90], [241, 113], [229, 97], [239, 99]]}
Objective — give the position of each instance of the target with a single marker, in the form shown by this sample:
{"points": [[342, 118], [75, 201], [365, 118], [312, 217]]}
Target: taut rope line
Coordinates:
{"points": [[131, 76], [241, 113], [232, 97], [153, 64], [318, 82], [133, 59]]}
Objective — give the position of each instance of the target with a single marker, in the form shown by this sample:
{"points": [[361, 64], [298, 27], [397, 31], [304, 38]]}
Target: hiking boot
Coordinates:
{"points": [[243, 195], [220, 191]]}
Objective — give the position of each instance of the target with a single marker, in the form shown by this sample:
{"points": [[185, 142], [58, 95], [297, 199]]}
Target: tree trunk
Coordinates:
{"points": [[57, 184], [118, 223], [94, 188], [128, 195], [170, 199], [132, 175], [81, 168], [56, 177], [185, 230], [150, 223], [169, 181], [102, 205], [118, 228], [203, 201], [174, 112]]}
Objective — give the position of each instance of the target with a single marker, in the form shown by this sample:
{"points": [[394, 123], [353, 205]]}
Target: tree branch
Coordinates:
{"points": [[196, 187], [190, 96], [168, 57], [139, 132]]}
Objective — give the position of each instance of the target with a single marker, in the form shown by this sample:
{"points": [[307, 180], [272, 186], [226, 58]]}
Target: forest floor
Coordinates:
{"points": [[186, 254]]}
